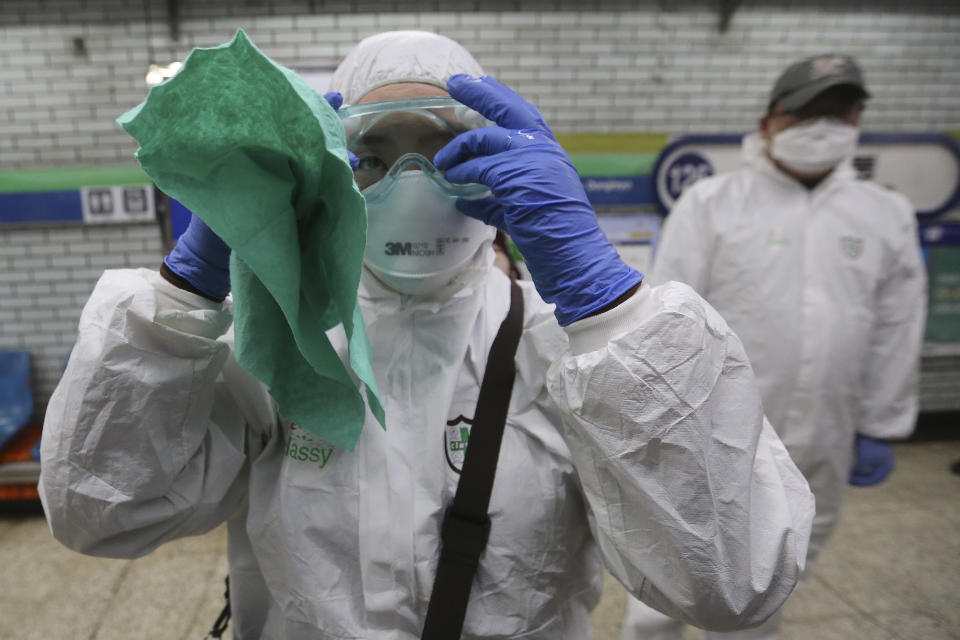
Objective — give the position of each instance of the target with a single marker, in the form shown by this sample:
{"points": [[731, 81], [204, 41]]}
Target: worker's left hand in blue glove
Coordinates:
{"points": [[874, 461], [537, 198]]}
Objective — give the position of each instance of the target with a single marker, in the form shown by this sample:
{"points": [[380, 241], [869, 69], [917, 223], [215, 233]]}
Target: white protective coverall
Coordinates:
{"points": [[827, 290], [635, 440]]}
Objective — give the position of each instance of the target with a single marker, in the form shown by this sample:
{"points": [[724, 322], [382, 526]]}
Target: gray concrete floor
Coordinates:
{"points": [[891, 572]]}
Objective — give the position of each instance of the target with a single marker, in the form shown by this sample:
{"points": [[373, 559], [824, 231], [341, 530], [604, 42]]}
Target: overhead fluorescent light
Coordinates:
{"points": [[158, 72]]}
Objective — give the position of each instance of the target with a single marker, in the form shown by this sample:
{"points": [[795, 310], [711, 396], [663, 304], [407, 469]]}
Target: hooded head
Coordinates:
{"points": [[417, 241]]}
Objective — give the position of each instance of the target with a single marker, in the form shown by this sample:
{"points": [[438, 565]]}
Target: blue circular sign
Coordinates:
{"points": [[683, 171]]}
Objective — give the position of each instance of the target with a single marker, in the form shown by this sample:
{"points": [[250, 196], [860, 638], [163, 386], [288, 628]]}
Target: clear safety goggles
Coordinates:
{"points": [[393, 136]]}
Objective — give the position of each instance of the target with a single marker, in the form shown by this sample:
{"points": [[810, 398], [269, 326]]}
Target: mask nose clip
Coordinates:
{"points": [[417, 162]]}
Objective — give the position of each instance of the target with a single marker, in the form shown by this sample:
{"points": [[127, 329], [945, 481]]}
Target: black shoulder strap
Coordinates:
{"points": [[220, 625], [466, 524]]}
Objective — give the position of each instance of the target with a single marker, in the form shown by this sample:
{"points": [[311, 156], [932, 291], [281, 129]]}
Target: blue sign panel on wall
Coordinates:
{"points": [[619, 190]]}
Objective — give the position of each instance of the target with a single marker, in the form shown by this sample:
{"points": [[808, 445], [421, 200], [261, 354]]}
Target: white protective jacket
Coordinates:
{"points": [[827, 290], [635, 439]]}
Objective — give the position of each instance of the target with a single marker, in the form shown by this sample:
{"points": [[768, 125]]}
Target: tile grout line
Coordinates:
{"points": [[200, 603], [113, 593], [865, 614]]}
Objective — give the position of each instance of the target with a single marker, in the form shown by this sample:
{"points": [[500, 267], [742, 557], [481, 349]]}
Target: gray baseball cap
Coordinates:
{"points": [[805, 80]]}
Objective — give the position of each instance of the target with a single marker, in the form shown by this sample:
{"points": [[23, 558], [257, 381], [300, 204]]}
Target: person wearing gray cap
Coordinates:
{"points": [[821, 276], [813, 116]]}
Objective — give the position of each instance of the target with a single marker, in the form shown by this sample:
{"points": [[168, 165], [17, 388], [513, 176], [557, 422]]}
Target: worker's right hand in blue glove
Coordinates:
{"points": [[202, 259], [874, 461], [538, 200], [335, 100]]}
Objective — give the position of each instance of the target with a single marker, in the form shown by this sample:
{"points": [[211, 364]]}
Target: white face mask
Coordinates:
{"points": [[417, 240], [816, 146]]}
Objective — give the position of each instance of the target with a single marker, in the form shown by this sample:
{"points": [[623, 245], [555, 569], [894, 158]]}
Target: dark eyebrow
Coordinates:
{"points": [[376, 139], [443, 135], [372, 139]]}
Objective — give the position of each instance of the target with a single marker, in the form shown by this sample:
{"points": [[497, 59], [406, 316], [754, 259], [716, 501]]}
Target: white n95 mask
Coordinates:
{"points": [[816, 146], [417, 240]]}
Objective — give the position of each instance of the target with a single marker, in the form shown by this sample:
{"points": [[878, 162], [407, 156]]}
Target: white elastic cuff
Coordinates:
{"points": [[170, 297], [594, 332]]}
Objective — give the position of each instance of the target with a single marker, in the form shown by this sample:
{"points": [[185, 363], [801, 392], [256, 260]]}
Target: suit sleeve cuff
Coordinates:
{"points": [[594, 332]]}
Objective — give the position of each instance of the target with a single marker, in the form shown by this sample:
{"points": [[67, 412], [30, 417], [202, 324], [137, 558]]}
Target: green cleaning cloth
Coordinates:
{"points": [[258, 155]]}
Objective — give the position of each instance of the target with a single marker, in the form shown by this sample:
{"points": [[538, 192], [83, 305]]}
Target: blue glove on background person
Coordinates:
{"points": [[538, 200], [202, 259], [874, 461]]}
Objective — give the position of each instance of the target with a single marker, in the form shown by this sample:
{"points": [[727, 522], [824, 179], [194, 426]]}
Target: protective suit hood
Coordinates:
{"points": [[401, 56]]}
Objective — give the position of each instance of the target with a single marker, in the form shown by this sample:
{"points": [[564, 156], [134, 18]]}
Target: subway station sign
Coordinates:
{"points": [[118, 204], [925, 167], [87, 195]]}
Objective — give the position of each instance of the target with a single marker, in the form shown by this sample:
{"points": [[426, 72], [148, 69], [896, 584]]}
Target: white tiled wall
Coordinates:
{"points": [[648, 70], [590, 66], [47, 274]]}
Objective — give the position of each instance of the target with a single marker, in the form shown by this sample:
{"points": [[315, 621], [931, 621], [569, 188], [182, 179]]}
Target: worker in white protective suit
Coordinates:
{"points": [[821, 276], [635, 438]]}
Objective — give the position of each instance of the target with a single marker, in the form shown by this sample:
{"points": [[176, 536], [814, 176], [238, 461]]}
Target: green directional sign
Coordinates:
{"points": [[943, 310]]}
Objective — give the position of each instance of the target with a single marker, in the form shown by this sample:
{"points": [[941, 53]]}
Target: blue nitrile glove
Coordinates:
{"points": [[538, 200], [202, 259], [874, 461], [336, 101]]}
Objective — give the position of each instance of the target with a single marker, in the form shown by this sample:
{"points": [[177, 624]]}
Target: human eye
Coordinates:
{"points": [[371, 163], [370, 169]]}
